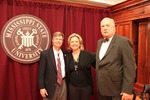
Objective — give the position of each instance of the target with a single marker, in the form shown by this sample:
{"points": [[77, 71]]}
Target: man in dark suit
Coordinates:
{"points": [[51, 71], [115, 64]]}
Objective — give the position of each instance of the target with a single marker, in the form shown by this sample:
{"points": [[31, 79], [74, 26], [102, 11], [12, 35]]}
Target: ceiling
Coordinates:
{"points": [[98, 3]]}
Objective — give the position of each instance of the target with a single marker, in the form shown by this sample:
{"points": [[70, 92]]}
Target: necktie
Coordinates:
{"points": [[59, 74]]}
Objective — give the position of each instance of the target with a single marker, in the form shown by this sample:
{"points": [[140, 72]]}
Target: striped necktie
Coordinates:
{"points": [[59, 74]]}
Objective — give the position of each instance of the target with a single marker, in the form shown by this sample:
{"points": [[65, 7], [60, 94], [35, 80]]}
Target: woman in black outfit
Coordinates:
{"points": [[79, 64]]}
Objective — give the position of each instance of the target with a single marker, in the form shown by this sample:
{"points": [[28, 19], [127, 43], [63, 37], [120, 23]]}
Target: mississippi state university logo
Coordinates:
{"points": [[24, 37]]}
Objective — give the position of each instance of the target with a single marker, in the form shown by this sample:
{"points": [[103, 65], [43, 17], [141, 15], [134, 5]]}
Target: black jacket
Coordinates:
{"points": [[47, 72], [86, 60]]}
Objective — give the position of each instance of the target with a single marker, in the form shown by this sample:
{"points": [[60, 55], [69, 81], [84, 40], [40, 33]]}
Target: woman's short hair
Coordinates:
{"points": [[80, 40]]}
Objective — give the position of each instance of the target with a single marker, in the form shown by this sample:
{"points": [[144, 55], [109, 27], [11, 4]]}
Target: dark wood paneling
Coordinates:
{"points": [[133, 11], [129, 4], [143, 71], [142, 53], [133, 21], [124, 29]]}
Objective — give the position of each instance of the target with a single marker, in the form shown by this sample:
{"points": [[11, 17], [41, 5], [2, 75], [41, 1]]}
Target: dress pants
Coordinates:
{"points": [[101, 97], [80, 93], [60, 92]]}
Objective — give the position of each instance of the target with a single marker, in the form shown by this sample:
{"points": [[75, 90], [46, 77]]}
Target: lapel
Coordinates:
{"points": [[111, 45], [69, 57], [99, 46], [52, 58], [64, 55]]}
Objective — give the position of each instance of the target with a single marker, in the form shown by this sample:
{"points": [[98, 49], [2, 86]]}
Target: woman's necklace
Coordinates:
{"points": [[76, 60]]}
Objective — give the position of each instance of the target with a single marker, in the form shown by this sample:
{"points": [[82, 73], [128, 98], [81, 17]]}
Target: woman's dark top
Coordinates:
{"points": [[79, 72]]}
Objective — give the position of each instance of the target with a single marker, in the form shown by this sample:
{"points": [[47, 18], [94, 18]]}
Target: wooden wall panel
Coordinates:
{"points": [[123, 29], [131, 11], [136, 13], [142, 53], [133, 21], [143, 71]]}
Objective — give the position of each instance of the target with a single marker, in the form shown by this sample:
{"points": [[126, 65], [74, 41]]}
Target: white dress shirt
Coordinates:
{"points": [[61, 60], [104, 48]]}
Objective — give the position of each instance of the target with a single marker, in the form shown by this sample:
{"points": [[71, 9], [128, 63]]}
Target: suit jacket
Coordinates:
{"points": [[47, 72], [115, 72]]}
